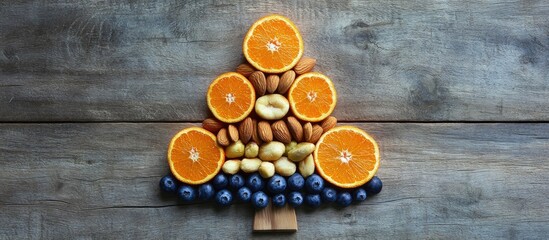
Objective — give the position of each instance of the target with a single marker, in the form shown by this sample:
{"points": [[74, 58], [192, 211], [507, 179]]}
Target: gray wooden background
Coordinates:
{"points": [[455, 92]]}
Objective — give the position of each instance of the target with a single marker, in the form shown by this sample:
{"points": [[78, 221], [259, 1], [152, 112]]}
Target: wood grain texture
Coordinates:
{"points": [[391, 60], [441, 181], [275, 219]]}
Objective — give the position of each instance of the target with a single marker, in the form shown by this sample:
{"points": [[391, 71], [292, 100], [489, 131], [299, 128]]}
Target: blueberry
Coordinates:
{"points": [[224, 197], [295, 199], [313, 200], [168, 184], [296, 182], [206, 191], [374, 186], [276, 184], [279, 200], [220, 181], [344, 199], [260, 200], [314, 184], [328, 194], [255, 182], [244, 194], [359, 195], [236, 182], [186, 193]]}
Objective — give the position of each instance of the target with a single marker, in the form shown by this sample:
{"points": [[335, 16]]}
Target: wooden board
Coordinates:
{"points": [[441, 181], [391, 60], [273, 219], [130, 71]]}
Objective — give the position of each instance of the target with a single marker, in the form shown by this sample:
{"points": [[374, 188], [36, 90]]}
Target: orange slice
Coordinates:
{"points": [[231, 97], [194, 156], [346, 156], [273, 44], [312, 97]]}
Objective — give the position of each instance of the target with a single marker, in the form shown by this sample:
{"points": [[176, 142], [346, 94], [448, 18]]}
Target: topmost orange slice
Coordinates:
{"points": [[231, 97], [194, 156], [346, 156], [273, 44]]}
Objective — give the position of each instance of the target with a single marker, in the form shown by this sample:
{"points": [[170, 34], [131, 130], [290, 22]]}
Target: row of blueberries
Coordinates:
{"points": [[294, 190]]}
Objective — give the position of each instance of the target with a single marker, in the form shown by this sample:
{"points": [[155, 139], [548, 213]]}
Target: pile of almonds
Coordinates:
{"points": [[270, 140]]}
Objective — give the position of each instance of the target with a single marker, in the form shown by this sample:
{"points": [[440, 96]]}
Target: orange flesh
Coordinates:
{"points": [[191, 167], [282, 40], [313, 88], [335, 164], [234, 88]]}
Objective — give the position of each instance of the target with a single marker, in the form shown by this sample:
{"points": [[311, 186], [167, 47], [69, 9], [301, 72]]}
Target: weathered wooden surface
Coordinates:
{"points": [[124, 61], [391, 60], [441, 181]]}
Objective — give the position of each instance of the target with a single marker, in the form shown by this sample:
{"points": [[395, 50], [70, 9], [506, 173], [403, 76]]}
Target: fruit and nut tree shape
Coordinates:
{"points": [[272, 137]]}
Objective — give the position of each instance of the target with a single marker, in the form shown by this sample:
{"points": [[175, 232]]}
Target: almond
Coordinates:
{"points": [[255, 133], [212, 125], [281, 132], [286, 82], [245, 130], [317, 133], [233, 133], [295, 128], [307, 131], [328, 123], [264, 131], [222, 138], [272, 83], [259, 82], [305, 65], [245, 69]]}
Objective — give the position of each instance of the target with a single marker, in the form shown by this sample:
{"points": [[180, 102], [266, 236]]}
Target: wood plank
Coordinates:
{"points": [[390, 60], [441, 181], [275, 219]]}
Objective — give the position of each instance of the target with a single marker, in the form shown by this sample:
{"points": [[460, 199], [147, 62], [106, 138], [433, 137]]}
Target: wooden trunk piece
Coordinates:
{"points": [[275, 219]]}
